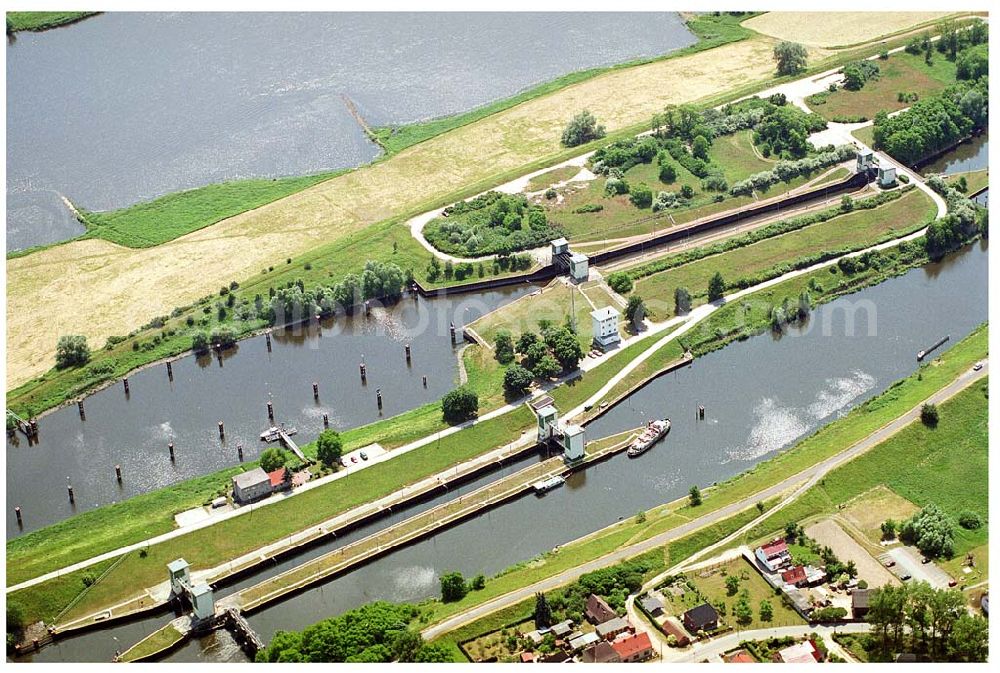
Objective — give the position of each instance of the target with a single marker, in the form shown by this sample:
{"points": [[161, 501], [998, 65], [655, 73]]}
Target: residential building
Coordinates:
{"points": [[562, 629], [281, 480], [774, 555], [598, 611], [557, 657], [634, 648], [527, 657], [604, 324], [739, 657], [612, 628], [652, 605], [701, 618], [794, 576], [600, 653], [670, 628], [859, 603], [805, 652], [814, 575], [251, 485]]}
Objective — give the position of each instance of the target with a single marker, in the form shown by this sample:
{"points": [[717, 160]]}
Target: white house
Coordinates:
{"points": [[774, 555], [251, 485], [604, 322]]}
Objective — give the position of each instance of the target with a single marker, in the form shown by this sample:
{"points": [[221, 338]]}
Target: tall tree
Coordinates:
{"points": [[790, 57], [716, 287], [329, 447], [543, 611]]}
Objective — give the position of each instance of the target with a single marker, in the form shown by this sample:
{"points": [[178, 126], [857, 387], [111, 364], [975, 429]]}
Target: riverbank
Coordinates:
{"points": [[302, 221], [38, 21]]}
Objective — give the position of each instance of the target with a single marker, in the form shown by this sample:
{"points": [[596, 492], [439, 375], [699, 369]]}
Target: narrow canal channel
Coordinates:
{"points": [[776, 391], [133, 431]]}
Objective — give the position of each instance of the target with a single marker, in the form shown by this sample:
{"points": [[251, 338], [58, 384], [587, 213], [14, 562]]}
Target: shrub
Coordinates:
{"points": [[72, 351], [931, 531], [516, 379], [272, 459], [668, 172], [929, 415], [460, 404], [589, 208], [582, 129], [329, 447], [641, 195], [687, 191], [790, 58], [615, 186], [969, 520], [453, 587], [503, 347], [620, 282]]}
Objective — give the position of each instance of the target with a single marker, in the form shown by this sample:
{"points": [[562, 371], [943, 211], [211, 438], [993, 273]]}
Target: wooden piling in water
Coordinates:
{"points": [[270, 412], [72, 499], [315, 390], [424, 377], [118, 473], [407, 347], [326, 421], [222, 430], [239, 451], [701, 412], [364, 374], [79, 405], [378, 398], [452, 329], [17, 513], [170, 371], [125, 382], [170, 447]]}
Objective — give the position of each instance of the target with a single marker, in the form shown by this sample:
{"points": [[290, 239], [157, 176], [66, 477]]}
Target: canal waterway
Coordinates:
{"points": [[761, 396], [127, 106], [970, 156], [134, 431]]}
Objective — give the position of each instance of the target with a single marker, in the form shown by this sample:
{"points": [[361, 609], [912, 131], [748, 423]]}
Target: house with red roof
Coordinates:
{"points": [[281, 479], [805, 652], [795, 576], [774, 555], [738, 657], [634, 648]]}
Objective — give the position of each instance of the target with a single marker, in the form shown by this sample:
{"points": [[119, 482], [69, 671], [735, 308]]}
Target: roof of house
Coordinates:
{"points": [[672, 629], [629, 647], [600, 653], [277, 476], [562, 628], [794, 575], [599, 610], [603, 313], [556, 657], [583, 640], [859, 598], [527, 657], [251, 478], [774, 548], [612, 626], [700, 615], [650, 603], [800, 653], [739, 657]]}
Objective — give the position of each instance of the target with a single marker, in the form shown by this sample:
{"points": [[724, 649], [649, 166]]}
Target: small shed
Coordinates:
{"points": [[202, 601], [859, 603], [866, 160], [582, 641]]}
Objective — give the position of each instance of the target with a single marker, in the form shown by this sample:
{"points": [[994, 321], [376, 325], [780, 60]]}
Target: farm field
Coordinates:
{"points": [[857, 229], [104, 282], [901, 73], [867, 512], [837, 29]]}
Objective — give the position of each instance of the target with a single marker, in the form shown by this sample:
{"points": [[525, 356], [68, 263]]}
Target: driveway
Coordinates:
{"points": [[829, 533], [909, 562]]}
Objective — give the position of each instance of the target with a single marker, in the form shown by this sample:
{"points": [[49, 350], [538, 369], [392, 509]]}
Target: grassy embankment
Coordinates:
{"points": [[154, 643], [856, 230], [343, 251], [900, 73], [37, 21]]}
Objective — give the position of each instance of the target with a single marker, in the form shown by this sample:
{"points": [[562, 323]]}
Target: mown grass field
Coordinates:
{"points": [[855, 230], [168, 217], [902, 72], [556, 175], [155, 642], [947, 466], [35, 21], [837, 29]]}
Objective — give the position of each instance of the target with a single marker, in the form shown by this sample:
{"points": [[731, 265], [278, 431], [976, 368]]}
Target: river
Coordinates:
{"points": [[133, 431], [761, 396], [127, 106]]}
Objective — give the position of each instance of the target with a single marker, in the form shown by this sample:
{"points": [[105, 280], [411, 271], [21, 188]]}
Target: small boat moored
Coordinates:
{"points": [[654, 432], [548, 484]]}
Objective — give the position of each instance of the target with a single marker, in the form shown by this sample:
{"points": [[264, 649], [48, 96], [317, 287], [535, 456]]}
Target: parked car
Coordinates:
{"points": [[976, 367], [952, 583], [890, 563], [364, 456], [354, 459], [907, 576], [925, 560]]}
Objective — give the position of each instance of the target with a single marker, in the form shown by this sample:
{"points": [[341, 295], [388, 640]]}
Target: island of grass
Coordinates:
{"points": [[490, 224], [38, 21]]}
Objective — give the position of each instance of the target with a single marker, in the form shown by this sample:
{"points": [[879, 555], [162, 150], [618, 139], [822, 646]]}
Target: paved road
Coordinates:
{"points": [[717, 646], [807, 478]]}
